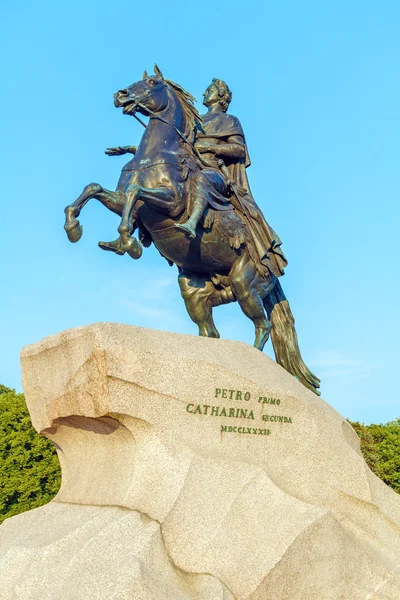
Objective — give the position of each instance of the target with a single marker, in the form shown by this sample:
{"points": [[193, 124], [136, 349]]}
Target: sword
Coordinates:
{"points": [[243, 208], [225, 172]]}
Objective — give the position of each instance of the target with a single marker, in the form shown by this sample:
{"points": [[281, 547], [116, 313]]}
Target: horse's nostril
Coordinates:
{"points": [[122, 92]]}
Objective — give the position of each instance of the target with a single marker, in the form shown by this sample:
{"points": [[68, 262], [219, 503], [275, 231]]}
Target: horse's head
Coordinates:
{"points": [[150, 92], [153, 94]]}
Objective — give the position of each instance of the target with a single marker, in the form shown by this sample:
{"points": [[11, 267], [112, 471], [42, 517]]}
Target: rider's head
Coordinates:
{"points": [[224, 93], [219, 92]]}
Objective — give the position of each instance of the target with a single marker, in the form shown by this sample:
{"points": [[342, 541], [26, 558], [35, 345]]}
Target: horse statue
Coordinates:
{"points": [[218, 258]]}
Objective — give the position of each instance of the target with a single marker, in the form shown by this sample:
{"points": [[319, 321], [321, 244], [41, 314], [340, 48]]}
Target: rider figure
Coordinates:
{"points": [[223, 138]]}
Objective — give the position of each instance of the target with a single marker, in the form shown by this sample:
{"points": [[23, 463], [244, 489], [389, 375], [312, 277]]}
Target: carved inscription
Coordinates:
{"points": [[240, 405]]}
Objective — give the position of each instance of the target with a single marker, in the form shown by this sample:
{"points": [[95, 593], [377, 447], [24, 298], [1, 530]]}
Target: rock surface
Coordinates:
{"points": [[194, 469]]}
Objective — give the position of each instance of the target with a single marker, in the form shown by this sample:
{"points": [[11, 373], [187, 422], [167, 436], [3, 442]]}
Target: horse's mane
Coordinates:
{"points": [[192, 118]]}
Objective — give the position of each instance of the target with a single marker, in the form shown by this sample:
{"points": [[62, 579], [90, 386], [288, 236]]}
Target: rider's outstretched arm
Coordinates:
{"points": [[120, 150]]}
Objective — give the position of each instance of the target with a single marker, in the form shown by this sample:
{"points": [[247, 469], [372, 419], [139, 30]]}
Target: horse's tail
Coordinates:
{"points": [[284, 338]]}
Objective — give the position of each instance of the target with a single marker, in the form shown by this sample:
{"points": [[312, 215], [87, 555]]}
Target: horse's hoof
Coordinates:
{"points": [[74, 231], [115, 247], [133, 248]]}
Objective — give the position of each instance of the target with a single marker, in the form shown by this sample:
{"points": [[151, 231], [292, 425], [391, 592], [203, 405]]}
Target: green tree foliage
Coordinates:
{"points": [[380, 445], [29, 469], [368, 447]]}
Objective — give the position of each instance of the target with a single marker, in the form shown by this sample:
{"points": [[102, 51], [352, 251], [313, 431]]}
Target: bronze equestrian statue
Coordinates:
{"points": [[186, 191]]}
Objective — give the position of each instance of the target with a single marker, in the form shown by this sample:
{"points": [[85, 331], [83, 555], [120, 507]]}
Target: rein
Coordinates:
{"points": [[153, 164]]}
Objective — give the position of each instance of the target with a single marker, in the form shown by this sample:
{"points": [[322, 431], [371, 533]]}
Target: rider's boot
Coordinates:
{"points": [[115, 246], [189, 228]]}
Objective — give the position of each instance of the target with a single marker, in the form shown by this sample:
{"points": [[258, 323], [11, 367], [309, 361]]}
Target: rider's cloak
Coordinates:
{"points": [[266, 241]]}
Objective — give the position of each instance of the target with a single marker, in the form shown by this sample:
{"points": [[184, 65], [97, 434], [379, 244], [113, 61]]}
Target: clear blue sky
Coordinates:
{"points": [[316, 86]]}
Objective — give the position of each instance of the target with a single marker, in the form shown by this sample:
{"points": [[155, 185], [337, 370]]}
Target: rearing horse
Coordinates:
{"points": [[152, 195]]}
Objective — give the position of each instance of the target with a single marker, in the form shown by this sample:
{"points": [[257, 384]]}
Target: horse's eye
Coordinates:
{"points": [[151, 82]]}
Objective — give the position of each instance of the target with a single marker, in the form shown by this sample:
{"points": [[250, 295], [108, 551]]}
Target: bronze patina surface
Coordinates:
{"points": [[186, 190]]}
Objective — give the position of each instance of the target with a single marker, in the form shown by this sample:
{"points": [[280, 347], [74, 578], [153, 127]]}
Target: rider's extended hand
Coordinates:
{"points": [[118, 151]]}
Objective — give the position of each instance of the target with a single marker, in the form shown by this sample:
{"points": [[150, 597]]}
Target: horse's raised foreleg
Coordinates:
{"points": [[114, 201], [197, 292], [129, 244], [250, 288], [163, 199]]}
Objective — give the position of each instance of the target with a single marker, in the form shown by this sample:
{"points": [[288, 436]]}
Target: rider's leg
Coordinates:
{"points": [[196, 292], [189, 228], [202, 185], [250, 288]]}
